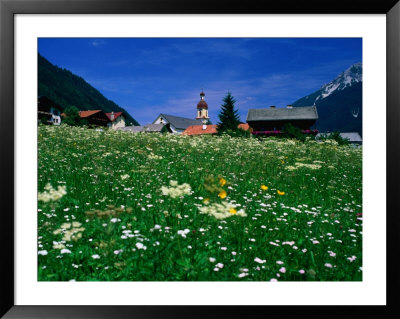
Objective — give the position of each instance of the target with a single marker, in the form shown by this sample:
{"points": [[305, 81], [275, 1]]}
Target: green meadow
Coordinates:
{"points": [[117, 206]]}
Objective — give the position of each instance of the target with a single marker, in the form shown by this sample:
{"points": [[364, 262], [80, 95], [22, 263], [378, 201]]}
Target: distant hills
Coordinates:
{"points": [[67, 89], [339, 102]]}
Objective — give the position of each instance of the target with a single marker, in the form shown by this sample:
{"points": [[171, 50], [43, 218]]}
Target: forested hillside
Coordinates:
{"points": [[67, 89]]}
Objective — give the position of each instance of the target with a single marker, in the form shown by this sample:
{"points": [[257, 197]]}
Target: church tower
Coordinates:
{"points": [[202, 109]]}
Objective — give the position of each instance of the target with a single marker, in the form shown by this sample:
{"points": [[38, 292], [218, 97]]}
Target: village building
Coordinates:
{"points": [[95, 117], [210, 129], [270, 121], [149, 128], [176, 124], [245, 127], [117, 120], [353, 137], [200, 130], [48, 111]]}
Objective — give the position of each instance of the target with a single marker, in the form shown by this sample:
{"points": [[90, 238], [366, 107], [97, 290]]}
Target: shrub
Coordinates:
{"points": [[44, 120], [291, 131], [236, 133]]}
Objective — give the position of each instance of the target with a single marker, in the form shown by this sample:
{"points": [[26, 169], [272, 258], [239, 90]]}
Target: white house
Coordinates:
{"points": [[117, 120], [176, 124], [49, 110]]}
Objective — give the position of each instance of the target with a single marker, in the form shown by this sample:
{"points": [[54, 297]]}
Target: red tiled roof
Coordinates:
{"points": [[116, 114], [88, 113], [210, 129], [244, 126], [198, 130]]}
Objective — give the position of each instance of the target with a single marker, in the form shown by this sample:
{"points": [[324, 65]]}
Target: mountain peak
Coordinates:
{"points": [[339, 102], [345, 79]]}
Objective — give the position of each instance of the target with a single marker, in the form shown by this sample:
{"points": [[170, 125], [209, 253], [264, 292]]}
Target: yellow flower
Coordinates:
{"points": [[222, 194], [264, 188], [233, 211], [280, 193], [206, 201], [222, 181]]}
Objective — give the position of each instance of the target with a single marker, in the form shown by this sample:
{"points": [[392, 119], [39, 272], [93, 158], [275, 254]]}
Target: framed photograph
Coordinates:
{"points": [[114, 208]]}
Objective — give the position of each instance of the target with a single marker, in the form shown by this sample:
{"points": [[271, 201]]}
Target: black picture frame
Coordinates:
{"points": [[9, 8]]}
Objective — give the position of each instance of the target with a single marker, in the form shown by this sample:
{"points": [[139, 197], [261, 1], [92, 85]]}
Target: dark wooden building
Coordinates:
{"points": [[48, 111], [95, 117], [272, 120]]}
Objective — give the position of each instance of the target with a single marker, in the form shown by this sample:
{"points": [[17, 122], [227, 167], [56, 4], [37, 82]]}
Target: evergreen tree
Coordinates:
{"points": [[228, 116]]}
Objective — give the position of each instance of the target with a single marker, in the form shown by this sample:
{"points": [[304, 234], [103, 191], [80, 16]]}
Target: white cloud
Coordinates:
{"points": [[98, 42]]}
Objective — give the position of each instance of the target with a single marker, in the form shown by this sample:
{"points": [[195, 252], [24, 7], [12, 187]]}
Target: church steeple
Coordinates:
{"points": [[202, 108]]}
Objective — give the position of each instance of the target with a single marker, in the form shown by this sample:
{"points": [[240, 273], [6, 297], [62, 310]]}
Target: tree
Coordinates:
{"points": [[228, 116], [72, 116], [44, 120]]}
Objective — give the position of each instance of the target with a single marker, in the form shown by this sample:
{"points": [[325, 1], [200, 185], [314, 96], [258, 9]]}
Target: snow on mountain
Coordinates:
{"points": [[345, 79], [339, 103]]}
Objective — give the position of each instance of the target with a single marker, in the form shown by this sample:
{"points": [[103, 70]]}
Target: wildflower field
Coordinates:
{"points": [[117, 206]]}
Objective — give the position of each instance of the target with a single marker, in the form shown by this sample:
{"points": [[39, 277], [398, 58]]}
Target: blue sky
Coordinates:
{"points": [[148, 76]]}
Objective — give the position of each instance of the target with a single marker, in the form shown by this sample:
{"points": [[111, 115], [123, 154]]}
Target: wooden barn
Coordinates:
{"points": [[270, 121], [95, 117]]}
